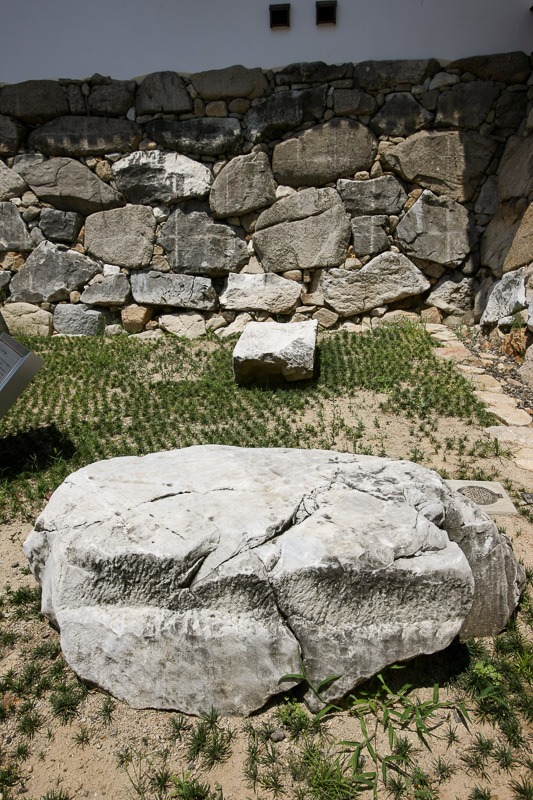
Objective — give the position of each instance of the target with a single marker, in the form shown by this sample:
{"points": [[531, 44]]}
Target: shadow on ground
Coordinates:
{"points": [[33, 450]]}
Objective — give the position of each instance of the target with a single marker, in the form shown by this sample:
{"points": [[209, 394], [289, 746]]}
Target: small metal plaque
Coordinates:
{"points": [[18, 366], [488, 495]]}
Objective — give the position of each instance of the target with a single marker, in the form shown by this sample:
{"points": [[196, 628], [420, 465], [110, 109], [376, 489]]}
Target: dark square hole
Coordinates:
{"points": [[280, 15], [326, 12]]}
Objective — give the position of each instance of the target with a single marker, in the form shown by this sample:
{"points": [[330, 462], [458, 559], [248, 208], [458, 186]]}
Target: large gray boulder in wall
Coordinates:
{"points": [[281, 112], [79, 320], [376, 75], [466, 105], [244, 185], [194, 578], [11, 183], [270, 293], [196, 245], [267, 350], [70, 186], [400, 115], [11, 134], [229, 83], [162, 92], [50, 273], [384, 195], [154, 176], [33, 101], [324, 153], [447, 162], [85, 136], [515, 178], [205, 136], [13, 232], [164, 289], [122, 236]]}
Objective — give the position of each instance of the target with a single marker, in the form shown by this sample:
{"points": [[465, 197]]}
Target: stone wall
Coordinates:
{"points": [[340, 193]]}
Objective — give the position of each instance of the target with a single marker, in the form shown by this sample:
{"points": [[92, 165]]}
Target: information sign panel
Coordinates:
{"points": [[18, 366]]}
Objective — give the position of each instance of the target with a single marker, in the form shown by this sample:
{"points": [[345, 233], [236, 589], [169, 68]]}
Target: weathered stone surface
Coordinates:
{"points": [[13, 232], [504, 408], [526, 371], [446, 162], [353, 101], [187, 323], [510, 109], [384, 195], [112, 291], [112, 99], [400, 115], [284, 111], [386, 278], [238, 325], [437, 229], [79, 320], [60, 226], [310, 72], [466, 105], [508, 240], [515, 177], [508, 296], [196, 245], [244, 185], [505, 67], [317, 241], [453, 294], [155, 176], [23, 319], [206, 136], [164, 289], [268, 349], [70, 186], [50, 273], [11, 183], [324, 153], [162, 92], [11, 134], [122, 236], [270, 293], [369, 238], [376, 75], [488, 201], [5, 279], [307, 203], [33, 101], [231, 82], [226, 526], [85, 136], [135, 317]]}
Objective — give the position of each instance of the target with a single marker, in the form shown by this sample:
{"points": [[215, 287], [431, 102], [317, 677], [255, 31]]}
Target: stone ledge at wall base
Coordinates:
{"points": [[242, 596], [269, 350]]}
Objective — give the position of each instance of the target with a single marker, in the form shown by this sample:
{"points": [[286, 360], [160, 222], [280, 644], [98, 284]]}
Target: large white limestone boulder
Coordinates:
{"points": [[275, 349], [195, 577]]}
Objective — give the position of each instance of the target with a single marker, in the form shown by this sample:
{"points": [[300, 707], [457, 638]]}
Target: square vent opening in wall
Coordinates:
{"points": [[280, 15], [326, 12]]}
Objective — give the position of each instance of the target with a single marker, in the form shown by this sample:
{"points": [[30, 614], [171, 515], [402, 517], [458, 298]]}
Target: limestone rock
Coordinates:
{"points": [[165, 289], [11, 134], [317, 241], [466, 105], [437, 229], [196, 245], [229, 83], [508, 296], [205, 136], [241, 595], [376, 75], [508, 239], [13, 232], [186, 323], [50, 273], [85, 136], [453, 293], [521, 249], [283, 111], [70, 186], [155, 176], [386, 278], [515, 177], [450, 162], [23, 319], [269, 292], [353, 101], [33, 101], [5, 279], [325, 317], [112, 291], [238, 325], [162, 92], [526, 370], [504, 408], [369, 237], [268, 349], [244, 185], [300, 205], [384, 195], [400, 115], [122, 236], [79, 320], [60, 226], [510, 109], [112, 99], [310, 72], [324, 153], [11, 183], [487, 201], [135, 317], [505, 67]]}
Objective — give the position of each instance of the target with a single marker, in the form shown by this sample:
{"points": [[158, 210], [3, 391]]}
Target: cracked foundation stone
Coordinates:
{"points": [[193, 578]]}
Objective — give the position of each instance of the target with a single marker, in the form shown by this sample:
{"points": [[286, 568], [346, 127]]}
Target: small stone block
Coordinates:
{"points": [[488, 495], [268, 350]]}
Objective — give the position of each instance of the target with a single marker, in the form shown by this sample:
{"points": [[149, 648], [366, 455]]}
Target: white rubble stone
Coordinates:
{"points": [[267, 292], [187, 323], [157, 176], [268, 349]]}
